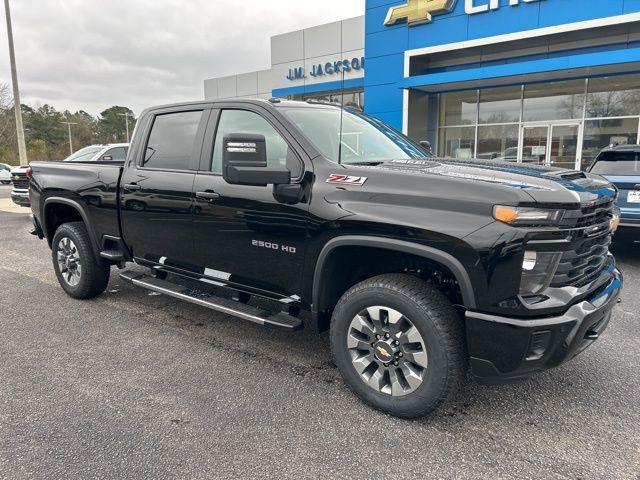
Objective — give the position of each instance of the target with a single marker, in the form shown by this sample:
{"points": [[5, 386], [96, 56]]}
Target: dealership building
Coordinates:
{"points": [[539, 81]]}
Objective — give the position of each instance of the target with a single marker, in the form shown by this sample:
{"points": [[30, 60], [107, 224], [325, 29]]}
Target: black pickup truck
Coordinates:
{"points": [[297, 213]]}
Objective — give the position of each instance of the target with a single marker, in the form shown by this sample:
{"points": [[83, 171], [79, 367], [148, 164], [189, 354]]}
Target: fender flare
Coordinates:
{"points": [[76, 206], [430, 253]]}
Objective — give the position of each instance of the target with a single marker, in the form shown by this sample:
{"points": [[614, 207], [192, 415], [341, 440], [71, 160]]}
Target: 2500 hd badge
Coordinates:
{"points": [[273, 246]]}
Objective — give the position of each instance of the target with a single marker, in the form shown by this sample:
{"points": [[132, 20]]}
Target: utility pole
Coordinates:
{"points": [[70, 141], [126, 119], [17, 105]]}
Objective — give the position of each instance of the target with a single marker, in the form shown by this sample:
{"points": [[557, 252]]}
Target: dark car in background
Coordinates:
{"points": [[620, 164], [20, 192]]}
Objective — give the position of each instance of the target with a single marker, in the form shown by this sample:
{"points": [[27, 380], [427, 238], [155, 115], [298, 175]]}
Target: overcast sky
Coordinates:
{"points": [[92, 54]]}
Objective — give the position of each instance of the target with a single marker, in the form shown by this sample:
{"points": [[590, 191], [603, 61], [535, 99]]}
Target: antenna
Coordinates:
{"points": [[341, 117]]}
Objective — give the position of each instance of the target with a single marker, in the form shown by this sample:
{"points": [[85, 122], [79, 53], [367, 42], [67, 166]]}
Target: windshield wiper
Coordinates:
{"points": [[365, 164]]}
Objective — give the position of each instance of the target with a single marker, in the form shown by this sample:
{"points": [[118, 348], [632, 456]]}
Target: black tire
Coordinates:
{"points": [[94, 276], [437, 322]]}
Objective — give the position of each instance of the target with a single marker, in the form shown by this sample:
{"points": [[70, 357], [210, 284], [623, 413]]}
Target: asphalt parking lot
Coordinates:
{"points": [[133, 385]]}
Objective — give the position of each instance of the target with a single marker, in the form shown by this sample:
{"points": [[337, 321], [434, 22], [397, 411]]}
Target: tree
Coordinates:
{"points": [[45, 123], [112, 127]]}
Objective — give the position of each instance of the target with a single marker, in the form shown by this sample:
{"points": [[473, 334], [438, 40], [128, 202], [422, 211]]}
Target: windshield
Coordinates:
{"points": [[617, 163], [364, 139], [85, 154]]}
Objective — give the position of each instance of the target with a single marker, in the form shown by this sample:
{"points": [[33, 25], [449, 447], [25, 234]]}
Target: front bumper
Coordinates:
{"points": [[21, 197], [505, 349]]}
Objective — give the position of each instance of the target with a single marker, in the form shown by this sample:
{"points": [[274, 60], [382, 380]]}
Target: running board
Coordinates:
{"points": [[219, 304]]}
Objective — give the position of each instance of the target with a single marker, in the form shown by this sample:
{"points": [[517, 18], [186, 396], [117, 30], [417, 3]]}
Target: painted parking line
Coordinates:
{"points": [[7, 205]]}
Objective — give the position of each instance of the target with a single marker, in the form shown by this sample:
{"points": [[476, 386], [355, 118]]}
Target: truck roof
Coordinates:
{"points": [[272, 102]]}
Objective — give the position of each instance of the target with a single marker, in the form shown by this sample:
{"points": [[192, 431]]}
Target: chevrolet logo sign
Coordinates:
{"points": [[417, 12]]}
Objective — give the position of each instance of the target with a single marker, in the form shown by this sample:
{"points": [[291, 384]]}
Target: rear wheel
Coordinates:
{"points": [[399, 344], [78, 271]]}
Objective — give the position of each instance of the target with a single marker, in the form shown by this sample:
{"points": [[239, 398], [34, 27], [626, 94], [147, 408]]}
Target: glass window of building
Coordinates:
{"points": [[614, 96], [554, 101], [459, 108], [457, 142], [601, 133], [500, 105], [498, 142]]}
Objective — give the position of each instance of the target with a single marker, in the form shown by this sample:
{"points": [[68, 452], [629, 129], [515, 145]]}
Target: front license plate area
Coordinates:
{"points": [[633, 196]]}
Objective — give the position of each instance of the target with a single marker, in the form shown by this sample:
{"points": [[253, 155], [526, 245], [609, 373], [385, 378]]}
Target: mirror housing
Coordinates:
{"points": [[107, 158], [244, 162], [427, 146]]}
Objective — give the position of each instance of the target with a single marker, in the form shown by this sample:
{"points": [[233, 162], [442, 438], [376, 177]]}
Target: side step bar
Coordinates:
{"points": [[219, 304]]}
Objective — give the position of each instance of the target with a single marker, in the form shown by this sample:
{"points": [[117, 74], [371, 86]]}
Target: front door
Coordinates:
{"points": [[554, 145], [245, 237]]}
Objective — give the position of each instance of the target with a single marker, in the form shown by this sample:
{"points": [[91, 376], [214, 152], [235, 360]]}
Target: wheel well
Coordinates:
{"points": [[57, 214], [348, 265]]}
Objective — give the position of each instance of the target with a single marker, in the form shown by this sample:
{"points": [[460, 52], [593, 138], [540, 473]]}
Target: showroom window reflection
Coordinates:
{"points": [[488, 123]]}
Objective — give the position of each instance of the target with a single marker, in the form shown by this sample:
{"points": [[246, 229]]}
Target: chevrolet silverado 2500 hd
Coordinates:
{"points": [[295, 213]]}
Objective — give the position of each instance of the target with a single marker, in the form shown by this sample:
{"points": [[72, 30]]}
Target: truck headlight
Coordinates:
{"points": [[538, 269], [527, 216]]}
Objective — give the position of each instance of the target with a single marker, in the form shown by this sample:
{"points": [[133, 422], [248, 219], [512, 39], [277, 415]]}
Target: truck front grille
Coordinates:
{"points": [[595, 215], [581, 266], [592, 239], [21, 183]]}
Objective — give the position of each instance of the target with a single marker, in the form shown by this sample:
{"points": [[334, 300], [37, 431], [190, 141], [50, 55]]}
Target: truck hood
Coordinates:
{"points": [[543, 185]]}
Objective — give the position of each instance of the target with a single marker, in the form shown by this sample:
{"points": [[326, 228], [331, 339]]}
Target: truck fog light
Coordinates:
{"points": [[538, 270]]}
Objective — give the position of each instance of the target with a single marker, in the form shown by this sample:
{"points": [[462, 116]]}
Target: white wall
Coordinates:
{"points": [[304, 48]]}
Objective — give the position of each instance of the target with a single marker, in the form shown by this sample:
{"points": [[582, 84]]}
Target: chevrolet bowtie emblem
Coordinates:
{"points": [[383, 352], [416, 12]]}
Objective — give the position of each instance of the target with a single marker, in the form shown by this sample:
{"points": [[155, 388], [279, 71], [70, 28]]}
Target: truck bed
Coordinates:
{"points": [[93, 186]]}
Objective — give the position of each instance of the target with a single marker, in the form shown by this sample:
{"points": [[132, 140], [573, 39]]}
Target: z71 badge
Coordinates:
{"points": [[346, 180]]}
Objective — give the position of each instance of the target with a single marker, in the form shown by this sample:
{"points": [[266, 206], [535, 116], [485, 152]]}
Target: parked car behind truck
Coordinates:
{"points": [[421, 268], [620, 164]]}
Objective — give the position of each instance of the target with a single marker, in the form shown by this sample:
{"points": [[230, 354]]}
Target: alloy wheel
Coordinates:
{"points": [[387, 351], [69, 262]]}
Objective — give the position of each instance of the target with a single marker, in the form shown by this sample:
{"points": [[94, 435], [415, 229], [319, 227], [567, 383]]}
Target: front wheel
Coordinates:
{"points": [[78, 271], [399, 344]]}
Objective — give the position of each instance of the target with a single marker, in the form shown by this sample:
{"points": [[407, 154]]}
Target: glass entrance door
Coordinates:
{"points": [[554, 145], [535, 144], [564, 146]]}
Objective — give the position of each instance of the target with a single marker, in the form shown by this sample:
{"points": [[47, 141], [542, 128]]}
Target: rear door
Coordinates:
{"points": [[156, 188], [244, 236]]}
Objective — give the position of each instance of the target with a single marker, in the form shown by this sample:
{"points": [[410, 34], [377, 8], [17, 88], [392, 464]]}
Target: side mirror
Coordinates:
{"points": [[244, 162], [107, 158], [427, 146]]}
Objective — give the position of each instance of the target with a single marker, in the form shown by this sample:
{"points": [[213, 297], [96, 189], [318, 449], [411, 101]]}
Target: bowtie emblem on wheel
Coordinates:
{"points": [[416, 12]]}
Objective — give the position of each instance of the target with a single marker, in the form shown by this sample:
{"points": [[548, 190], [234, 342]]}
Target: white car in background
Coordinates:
{"points": [[5, 174], [111, 152]]}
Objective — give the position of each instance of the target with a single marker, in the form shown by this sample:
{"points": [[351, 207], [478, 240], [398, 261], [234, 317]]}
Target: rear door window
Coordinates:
{"points": [[617, 164], [172, 144]]}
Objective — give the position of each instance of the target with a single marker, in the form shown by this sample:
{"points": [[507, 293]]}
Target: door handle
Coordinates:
{"points": [[208, 196], [132, 187]]}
